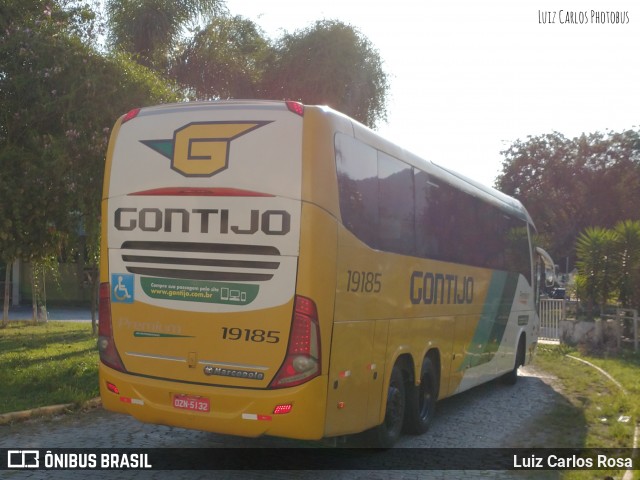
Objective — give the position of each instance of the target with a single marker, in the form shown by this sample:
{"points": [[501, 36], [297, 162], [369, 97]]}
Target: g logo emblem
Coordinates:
{"points": [[201, 149]]}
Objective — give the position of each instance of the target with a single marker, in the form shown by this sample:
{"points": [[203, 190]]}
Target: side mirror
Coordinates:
{"points": [[549, 267]]}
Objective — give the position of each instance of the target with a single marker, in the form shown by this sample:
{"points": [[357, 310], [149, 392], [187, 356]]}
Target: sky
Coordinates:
{"points": [[468, 78]]}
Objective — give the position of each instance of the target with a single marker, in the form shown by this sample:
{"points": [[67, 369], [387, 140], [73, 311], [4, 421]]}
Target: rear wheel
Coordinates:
{"points": [[421, 400], [510, 378], [387, 434]]}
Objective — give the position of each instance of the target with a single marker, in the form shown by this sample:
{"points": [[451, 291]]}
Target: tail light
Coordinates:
{"points": [[295, 107], [283, 409], [131, 115], [302, 362], [106, 345]]}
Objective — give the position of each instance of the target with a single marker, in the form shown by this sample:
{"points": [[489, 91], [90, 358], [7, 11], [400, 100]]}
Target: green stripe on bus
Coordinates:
{"points": [[493, 320]]}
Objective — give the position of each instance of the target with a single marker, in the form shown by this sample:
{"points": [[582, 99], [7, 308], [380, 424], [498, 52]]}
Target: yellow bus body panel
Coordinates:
{"points": [[234, 411]]}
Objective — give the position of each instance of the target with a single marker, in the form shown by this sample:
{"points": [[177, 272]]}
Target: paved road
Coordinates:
{"points": [[489, 416]]}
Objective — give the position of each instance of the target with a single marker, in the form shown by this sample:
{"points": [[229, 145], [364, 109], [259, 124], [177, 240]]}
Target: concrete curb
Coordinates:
{"points": [[602, 371], [51, 410]]}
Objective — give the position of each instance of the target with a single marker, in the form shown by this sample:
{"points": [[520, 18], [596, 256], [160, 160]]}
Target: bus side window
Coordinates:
{"points": [[427, 238], [357, 168], [396, 202]]}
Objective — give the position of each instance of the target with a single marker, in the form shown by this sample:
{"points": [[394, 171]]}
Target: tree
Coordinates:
{"points": [[570, 184], [333, 64], [329, 63], [28, 224], [12, 12], [609, 265], [150, 29], [226, 59], [597, 266], [627, 238], [58, 100], [31, 223]]}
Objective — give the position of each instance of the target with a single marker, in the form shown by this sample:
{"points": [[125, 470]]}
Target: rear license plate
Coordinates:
{"points": [[191, 402]]}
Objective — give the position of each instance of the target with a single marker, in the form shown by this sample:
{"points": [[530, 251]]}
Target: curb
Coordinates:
{"points": [[51, 410], [602, 371]]}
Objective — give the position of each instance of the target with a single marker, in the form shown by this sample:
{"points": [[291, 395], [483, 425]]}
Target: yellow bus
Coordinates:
{"points": [[272, 268]]}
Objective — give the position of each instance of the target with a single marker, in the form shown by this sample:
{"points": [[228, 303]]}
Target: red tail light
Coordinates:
{"points": [[112, 388], [283, 409], [302, 362], [130, 115], [295, 107], [106, 345]]}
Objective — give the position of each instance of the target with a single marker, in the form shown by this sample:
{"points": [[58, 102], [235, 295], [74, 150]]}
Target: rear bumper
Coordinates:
{"points": [[233, 411]]}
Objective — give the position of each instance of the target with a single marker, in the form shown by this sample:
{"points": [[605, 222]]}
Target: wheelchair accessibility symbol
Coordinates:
{"points": [[122, 288]]}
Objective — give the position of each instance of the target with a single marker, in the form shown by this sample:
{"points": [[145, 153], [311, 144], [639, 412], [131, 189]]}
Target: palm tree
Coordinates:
{"points": [[149, 29], [597, 266], [628, 248]]}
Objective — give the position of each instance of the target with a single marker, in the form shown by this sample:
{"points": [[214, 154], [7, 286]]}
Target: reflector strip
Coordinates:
{"points": [[254, 416], [134, 401]]}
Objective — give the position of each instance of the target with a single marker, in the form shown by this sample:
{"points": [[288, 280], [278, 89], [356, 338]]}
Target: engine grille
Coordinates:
{"points": [[201, 261]]}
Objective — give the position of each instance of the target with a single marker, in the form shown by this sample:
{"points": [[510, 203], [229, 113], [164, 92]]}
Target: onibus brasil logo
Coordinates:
{"points": [[201, 149]]}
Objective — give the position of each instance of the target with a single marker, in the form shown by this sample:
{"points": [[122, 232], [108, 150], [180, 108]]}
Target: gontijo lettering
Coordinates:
{"points": [[203, 220], [440, 288]]}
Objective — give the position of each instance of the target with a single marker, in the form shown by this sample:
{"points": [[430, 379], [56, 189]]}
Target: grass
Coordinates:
{"points": [[57, 362], [47, 364], [590, 412]]}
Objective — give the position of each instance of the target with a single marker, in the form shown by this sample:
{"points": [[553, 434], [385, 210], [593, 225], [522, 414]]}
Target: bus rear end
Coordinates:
{"points": [[200, 324]]}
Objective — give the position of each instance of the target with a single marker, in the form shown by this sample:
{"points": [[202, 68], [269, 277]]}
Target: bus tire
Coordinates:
{"points": [[421, 400], [389, 431], [511, 377]]}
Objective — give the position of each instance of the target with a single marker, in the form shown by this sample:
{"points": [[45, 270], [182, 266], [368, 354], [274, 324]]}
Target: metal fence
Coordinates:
{"points": [[552, 312]]}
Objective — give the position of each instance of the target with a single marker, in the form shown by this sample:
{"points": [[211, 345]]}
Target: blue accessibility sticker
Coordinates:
{"points": [[122, 287]]}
